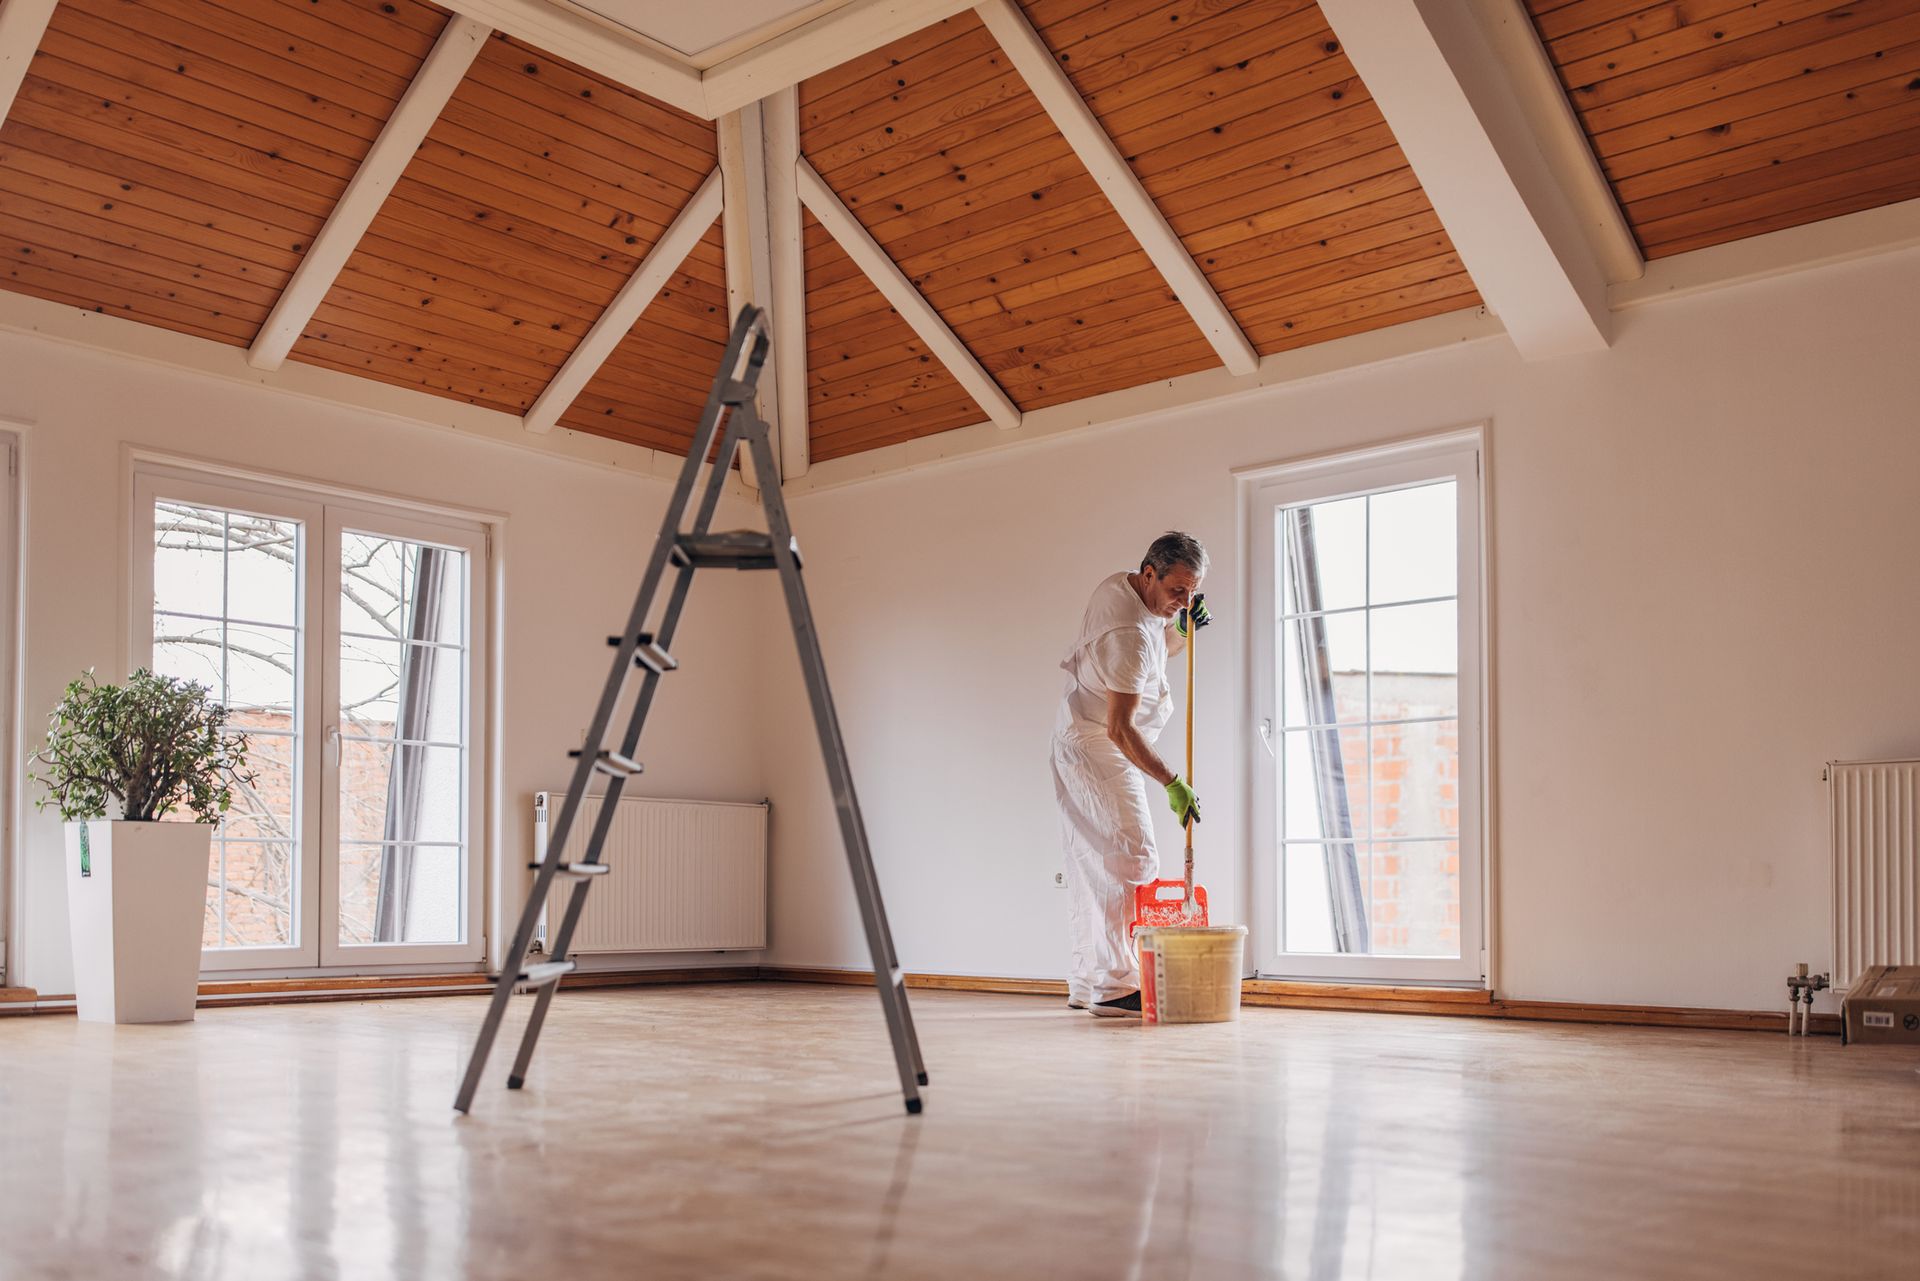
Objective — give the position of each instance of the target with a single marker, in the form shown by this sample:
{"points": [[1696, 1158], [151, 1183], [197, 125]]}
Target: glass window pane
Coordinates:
{"points": [[261, 668], [400, 893], [1306, 911], [1416, 779], [1323, 669], [189, 559], [1416, 661], [190, 650], [1414, 898], [258, 886], [403, 688], [1412, 544], [1322, 551], [263, 569], [370, 676], [374, 575], [1326, 783], [264, 808], [241, 574]]}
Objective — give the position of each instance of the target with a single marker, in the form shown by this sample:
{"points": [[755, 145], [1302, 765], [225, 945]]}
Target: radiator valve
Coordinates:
{"points": [[1800, 989]]}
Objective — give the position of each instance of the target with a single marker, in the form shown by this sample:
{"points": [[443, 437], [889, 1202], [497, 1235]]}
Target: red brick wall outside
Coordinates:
{"points": [[1413, 887]]}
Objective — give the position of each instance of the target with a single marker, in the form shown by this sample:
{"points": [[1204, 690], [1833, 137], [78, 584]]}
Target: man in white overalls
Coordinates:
{"points": [[1116, 704]]}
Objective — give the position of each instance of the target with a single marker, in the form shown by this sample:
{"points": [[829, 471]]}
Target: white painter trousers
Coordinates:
{"points": [[1107, 831]]}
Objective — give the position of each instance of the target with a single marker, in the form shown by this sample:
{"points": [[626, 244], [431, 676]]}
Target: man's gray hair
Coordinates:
{"points": [[1175, 548]]}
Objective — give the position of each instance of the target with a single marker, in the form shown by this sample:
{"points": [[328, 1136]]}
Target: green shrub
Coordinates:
{"points": [[155, 744]]}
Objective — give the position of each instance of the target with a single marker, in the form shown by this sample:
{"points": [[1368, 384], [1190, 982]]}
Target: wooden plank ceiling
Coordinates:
{"points": [[1721, 119], [170, 161], [1246, 124]]}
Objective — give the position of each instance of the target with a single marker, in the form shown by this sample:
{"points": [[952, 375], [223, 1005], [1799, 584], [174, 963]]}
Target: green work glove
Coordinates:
{"points": [[1185, 803], [1198, 612]]}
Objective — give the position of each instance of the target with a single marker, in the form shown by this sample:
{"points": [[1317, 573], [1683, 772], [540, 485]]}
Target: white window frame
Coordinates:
{"points": [[1458, 456], [324, 513]]}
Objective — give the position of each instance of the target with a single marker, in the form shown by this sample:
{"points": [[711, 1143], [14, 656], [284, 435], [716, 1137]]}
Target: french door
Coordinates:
{"points": [[345, 640], [1367, 694]]}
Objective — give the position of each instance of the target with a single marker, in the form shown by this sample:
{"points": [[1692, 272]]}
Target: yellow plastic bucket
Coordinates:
{"points": [[1190, 974]]}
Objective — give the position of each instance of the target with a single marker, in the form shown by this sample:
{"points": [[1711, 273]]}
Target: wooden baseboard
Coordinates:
{"points": [[937, 982], [1368, 998], [1270, 993], [386, 987]]}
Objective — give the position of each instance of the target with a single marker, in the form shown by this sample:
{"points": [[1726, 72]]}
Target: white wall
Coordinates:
{"points": [[575, 538], [1703, 573]]}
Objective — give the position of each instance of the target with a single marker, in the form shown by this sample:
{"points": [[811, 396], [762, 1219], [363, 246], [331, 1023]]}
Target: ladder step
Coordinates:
{"points": [[736, 392], [576, 871], [611, 763], [734, 549], [649, 654], [542, 974]]}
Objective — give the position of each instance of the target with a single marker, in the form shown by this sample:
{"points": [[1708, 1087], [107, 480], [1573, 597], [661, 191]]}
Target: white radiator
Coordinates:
{"points": [[1874, 816], [686, 876]]}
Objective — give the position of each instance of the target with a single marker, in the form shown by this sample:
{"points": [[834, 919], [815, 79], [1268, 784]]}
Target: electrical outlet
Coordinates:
{"points": [[1059, 880]]}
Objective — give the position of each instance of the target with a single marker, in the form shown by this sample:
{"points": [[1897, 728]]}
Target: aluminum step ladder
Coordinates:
{"points": [[684, 549]]}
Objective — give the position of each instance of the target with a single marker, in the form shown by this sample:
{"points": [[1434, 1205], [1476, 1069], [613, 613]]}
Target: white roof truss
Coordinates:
{"points": [[22, 24], [445, 66], [1452, 105], [634, 297], [904, 298], [1070, 113]]}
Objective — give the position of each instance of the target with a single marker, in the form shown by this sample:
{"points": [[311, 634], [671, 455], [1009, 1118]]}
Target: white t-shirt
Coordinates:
{"points": [[1122, 647]]}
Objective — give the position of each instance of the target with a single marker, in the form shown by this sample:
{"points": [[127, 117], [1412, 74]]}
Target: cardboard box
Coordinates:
{"points": [[1883, 1008]]}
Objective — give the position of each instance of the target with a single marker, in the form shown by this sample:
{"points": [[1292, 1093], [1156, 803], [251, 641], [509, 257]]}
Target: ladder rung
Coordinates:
{"points": [[649, 653], [734, 549], [543, 973], [610, 762], [576, 871], [736, 392]]}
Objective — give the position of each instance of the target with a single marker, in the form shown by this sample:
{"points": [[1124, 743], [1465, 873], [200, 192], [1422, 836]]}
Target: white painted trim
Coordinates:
{"points": [[14, 787], [787, 283], [642, 287], [905, 299], [1451, 104], [150, 344], [597, 47], [445, 66], [23, 23], [1208, 388], [1084, 133], [827, 41], [1888, 229]]}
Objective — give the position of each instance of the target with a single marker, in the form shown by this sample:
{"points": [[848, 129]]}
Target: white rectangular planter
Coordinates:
{"points": [[136, 896]]}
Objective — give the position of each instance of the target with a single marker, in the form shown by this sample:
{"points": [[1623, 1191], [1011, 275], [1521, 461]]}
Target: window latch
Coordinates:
{"points": [[1266, 733]]}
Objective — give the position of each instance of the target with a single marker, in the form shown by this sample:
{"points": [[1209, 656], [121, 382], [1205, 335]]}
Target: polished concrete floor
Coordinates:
{"points": [[754, 1131]]}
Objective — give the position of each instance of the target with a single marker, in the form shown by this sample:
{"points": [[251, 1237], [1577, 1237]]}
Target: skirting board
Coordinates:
{"points": [[1458, 1002], [1467, 1002]]}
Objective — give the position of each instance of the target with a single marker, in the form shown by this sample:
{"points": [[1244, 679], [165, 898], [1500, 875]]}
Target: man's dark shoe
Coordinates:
{"points": [[1120, 1007]]}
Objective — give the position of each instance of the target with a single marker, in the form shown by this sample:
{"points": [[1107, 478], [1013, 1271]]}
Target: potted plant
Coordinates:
{"points": [[137, 885]]}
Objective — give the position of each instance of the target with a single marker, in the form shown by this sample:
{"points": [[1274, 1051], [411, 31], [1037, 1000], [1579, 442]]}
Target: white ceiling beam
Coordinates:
{"points": [[1563, 140], [1089, 140], [1452, 107], [22, 25], [743, 239], [904, 298], [634, 297], [597, 47], [445, 66], [787, 285], [827, 41]]}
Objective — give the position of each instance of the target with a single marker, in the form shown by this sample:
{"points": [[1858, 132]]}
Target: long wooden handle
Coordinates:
{"points": [[1193, 635]]}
